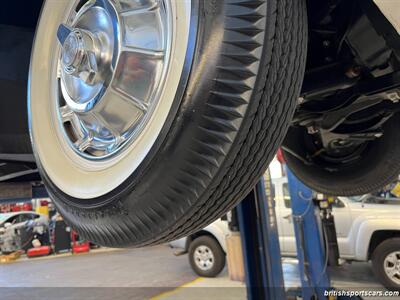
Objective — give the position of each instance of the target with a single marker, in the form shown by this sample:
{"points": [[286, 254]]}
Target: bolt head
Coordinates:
{"points": [[312, 130], [394, 96], [87, 76], [326, 43]]}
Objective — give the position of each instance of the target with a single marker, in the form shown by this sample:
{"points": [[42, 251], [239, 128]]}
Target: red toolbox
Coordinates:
{"points": [[40, 251], [81, 248]]}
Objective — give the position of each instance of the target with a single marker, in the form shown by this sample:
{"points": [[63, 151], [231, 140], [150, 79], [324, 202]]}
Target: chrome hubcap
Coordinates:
{"points": [[105, 76], [204, 258], [392, 266], [114, 59]]}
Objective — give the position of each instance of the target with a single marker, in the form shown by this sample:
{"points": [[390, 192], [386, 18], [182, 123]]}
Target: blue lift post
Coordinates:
{"points": [[260, 243], [309, 241]]}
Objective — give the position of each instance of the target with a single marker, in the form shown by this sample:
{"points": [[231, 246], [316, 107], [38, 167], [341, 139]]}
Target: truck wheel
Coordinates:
{"points": [[349, 172], [150, 128], [386, 263], [206, 256]]}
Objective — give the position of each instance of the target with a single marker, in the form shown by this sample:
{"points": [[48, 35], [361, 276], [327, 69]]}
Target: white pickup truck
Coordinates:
{"points": [[367, 227]]}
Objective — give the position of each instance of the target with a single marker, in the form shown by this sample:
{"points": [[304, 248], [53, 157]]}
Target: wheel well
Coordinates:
{"points": [[197, 234], [12, 14], [17, 29], [380, 236]]}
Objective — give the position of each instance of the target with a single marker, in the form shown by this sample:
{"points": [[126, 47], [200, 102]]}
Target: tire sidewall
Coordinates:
{"points": [[218, 253], [378, 258]]}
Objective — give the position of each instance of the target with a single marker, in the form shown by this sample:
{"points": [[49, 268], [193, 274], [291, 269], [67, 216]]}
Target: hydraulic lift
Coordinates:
{"points": [[260, 242]]}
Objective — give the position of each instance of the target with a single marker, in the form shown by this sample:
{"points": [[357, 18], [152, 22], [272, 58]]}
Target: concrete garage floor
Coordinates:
{"points": [[118, 274], [139, 274]]}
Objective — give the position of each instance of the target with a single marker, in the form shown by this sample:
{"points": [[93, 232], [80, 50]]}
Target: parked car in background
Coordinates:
{"points": [[367, 227], [18, 217], [206, 248], [19, 229]]}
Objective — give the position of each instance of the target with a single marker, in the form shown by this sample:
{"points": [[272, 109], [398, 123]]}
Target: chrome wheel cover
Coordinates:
{"points": [[391, 265], [204, 258], [102, 82], [113, 55]]}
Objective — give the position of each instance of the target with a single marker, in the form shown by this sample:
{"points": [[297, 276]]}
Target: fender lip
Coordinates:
{"points": [[391, 10]]}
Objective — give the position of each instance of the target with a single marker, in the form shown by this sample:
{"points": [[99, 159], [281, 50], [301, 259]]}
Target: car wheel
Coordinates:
{"points": [[154, 122], [350, 170], [206, 256], [386, 263]]}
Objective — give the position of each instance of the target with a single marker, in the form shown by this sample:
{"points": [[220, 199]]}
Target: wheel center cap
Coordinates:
{"points": [[74, 51], [70, 50], [81, 66]]}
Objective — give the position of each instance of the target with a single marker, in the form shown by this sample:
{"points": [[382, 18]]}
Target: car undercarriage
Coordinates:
{"points": [[351, 85]]}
